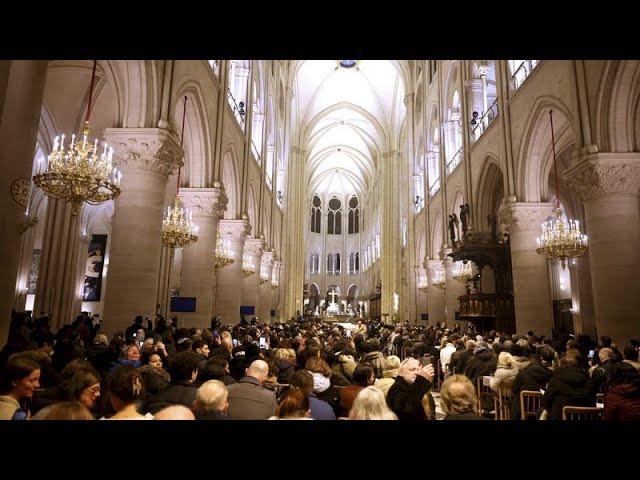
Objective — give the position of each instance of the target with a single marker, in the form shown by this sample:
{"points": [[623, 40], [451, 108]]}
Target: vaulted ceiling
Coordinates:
{"points": [[345, 117]]}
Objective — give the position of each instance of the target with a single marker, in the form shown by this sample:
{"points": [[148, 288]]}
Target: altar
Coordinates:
{"points": [[338, 318]]}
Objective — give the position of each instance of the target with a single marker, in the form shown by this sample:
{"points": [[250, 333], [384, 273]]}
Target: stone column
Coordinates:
{"points": [[198, 260], [531, 289], [229, 279], [275, 289], [146, 157], [253, 248], [435, 296], [476, 104], [264, 309], [609, 185], [21, 91], [453, 290], [58, 291]]}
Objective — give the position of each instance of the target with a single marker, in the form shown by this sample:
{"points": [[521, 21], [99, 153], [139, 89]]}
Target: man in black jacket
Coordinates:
{"points": [[411, 385], [182, 390], [534, 377]]}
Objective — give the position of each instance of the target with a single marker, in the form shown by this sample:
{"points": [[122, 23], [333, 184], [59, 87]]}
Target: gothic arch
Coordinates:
{"points": [[536, 145], [491, 179], [231, 182]]}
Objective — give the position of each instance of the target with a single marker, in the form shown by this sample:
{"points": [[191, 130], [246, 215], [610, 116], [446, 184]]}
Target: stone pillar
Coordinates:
{"points": [[264, 310], [253, 248], [21, 91], [275, 289], [454, 289], [609, 185], [146, 157], [476, 100], [229, 278], [531, 288], [59, 291], [198, 260], [435, 296]]}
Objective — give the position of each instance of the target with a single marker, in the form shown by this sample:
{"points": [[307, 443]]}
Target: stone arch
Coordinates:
{"points": [[536, 146], [231, 182], [491, 182], [437, 235], [197, 136]]}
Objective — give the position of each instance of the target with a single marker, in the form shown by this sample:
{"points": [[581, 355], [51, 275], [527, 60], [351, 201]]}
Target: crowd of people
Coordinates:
{"points": [[304, 369]]}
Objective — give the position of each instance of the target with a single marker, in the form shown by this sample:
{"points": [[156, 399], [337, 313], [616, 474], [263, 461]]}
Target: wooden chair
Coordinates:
{"points": [[571, 412], [530, 403], [482, 391], [502, 402], [406, 352]]}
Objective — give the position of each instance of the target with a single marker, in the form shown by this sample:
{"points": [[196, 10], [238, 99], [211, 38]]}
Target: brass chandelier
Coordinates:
{"points": [[248, 268], [224, 253], [178, 229], [561, 239], [463, 271], [78, 172], [439, 279]]}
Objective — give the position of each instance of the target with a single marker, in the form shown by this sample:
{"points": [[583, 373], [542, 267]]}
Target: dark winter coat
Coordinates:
{"points": [[534, 377], [622, 402], [406, 399], [568, 386], [181, 393], [480, 365]]}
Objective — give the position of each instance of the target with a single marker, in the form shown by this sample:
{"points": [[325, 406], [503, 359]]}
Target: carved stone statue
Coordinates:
{"points": [[456, 224], [464, 216], [452, 230]]}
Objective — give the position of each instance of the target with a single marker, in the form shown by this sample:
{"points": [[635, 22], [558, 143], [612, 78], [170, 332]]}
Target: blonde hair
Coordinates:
{"points": [[457, 395], [505, 360], [281, 353], [64, 411], [370, 404], [392, 362]]}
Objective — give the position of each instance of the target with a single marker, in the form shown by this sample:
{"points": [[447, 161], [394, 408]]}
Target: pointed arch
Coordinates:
{"points": [[231, 182], [490, 191]]}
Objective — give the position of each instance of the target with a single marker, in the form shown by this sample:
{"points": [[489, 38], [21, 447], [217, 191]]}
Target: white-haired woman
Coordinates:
{"points": [[505, 372], [370, 404]]}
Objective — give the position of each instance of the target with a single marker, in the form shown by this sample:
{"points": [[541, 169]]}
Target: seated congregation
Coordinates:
{"points": [[310, 370]]}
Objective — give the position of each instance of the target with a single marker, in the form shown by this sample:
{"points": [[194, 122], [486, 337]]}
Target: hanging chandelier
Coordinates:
{"points": [[463, 271], [224, 252], [248, 268], [78, 172], [439, 279], [178, 229], [561, 239]]}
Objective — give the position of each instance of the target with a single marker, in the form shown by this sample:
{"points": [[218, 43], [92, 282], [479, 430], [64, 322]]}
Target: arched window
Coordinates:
{"points": [[354, 215], [238, 83], [317, 262], [311, 264], [351, 263], [433, 163], [357, 269], [334, 218], [337, 269], [330, 264], [453, 134], [520, 70], [316, 214]]}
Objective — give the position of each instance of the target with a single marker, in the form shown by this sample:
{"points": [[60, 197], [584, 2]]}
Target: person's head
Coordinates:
{"points": [[572, 358], [630, 353], [391, 367], [124, 386], [101, 339], [303, 380], [258, 370], [200, 347], [211, 397], [20, 378], [457, 395], [318, 365], [64, 411], [470, 345], [606, 354], [547, 355], [606, 341], [370, 404], [184, 367], [517, 350], [622, 373], [409, 369], [174, 412], [140, 335], [132, 352], [155, 360], [504, 360], [364, 375], [83, 385], [295, 404]]}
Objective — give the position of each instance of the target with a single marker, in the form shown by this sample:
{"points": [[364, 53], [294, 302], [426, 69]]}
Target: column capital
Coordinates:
{"points": [[148, 149], [268, 258], [254, 246], [598, 174], [205, 202], [237, 229], [525, 215]]}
